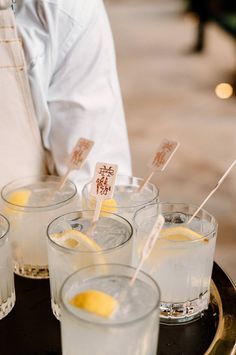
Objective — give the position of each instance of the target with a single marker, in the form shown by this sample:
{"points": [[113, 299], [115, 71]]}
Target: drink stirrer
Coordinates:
{"points": [[77, 158], [162, 157], [156, 231], [212, 191], [148, 246], [103, 185]]}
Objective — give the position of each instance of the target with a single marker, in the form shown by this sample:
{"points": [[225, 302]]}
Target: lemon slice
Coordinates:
{"points": [[73, 238], [109, 205], [71, 243], [96, 302], [179, 234], [19, 198]]}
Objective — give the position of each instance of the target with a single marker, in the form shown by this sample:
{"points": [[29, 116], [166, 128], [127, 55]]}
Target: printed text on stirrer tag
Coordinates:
{"points": [[80, 153], [164, 153], [104, 180]]}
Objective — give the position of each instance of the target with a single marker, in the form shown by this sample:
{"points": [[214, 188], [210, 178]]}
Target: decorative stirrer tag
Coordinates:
{"points": [[162, 157], [80, 153], [103, 185], [77, 157]]}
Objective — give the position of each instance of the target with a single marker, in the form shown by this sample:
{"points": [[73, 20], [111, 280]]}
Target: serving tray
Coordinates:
{"points": [[31, 328]]}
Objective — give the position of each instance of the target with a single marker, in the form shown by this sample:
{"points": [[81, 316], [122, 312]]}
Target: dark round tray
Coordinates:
{"points": [[32, 329]]}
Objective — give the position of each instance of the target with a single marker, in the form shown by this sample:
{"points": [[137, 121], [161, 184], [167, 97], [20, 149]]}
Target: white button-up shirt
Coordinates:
{"points": [[72, 72]]}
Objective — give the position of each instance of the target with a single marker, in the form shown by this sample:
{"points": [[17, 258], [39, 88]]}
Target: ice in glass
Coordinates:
{"points": [[126, 199], [131, 329], [182, 259], [7, 290], [72, 246], [30, 204]]}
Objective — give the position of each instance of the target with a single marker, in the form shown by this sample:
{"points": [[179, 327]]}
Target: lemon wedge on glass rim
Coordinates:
{"points": [[180, 234], [96, 302]]}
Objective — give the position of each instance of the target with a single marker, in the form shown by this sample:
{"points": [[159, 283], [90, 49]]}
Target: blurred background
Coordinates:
{"points": [[172, 58]]}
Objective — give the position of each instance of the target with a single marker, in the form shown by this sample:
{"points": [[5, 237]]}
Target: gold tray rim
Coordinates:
{"points": [[223, 294]]}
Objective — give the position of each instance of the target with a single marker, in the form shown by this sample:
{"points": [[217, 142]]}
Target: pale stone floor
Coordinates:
{"points": [[169, 93]]}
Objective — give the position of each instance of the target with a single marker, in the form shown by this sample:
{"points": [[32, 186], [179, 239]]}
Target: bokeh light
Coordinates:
{"points": [[224, 90]]}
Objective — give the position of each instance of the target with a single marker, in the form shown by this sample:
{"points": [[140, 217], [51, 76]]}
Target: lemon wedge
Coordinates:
{"points": [[96, 302], [108, 206], [179, 234], [71, 243], [19, 197], [73, 238]]}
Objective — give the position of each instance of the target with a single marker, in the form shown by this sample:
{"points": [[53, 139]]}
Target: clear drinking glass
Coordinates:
{"points": [[68, 251], [7, 290], [133, 329], [181, 263], [30, 204], [127, 199]]}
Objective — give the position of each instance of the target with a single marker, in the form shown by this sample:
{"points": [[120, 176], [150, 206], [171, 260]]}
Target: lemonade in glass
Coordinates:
{"points": [[7, 290], [181, 260], [30, 204], [126, 198], [72, 246], [131, 327]]}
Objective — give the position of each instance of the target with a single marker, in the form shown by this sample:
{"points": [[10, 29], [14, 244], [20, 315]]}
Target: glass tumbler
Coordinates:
{"points": [[132, 329], [182, 259], [72, 245], [7, 290], [126, 199], [30, 204]]}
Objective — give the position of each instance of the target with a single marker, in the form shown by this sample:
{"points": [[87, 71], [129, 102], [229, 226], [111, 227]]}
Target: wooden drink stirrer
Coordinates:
{"points": [[162, 157], [146, 251], [102, 188], [77, 158], [212, 191]]}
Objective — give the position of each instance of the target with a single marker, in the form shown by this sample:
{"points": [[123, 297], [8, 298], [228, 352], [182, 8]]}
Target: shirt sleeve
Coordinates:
{"points": [[84, 98]]}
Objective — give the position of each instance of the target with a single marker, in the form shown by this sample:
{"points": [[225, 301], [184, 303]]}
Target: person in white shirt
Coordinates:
{"points": [[73, 79]]}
